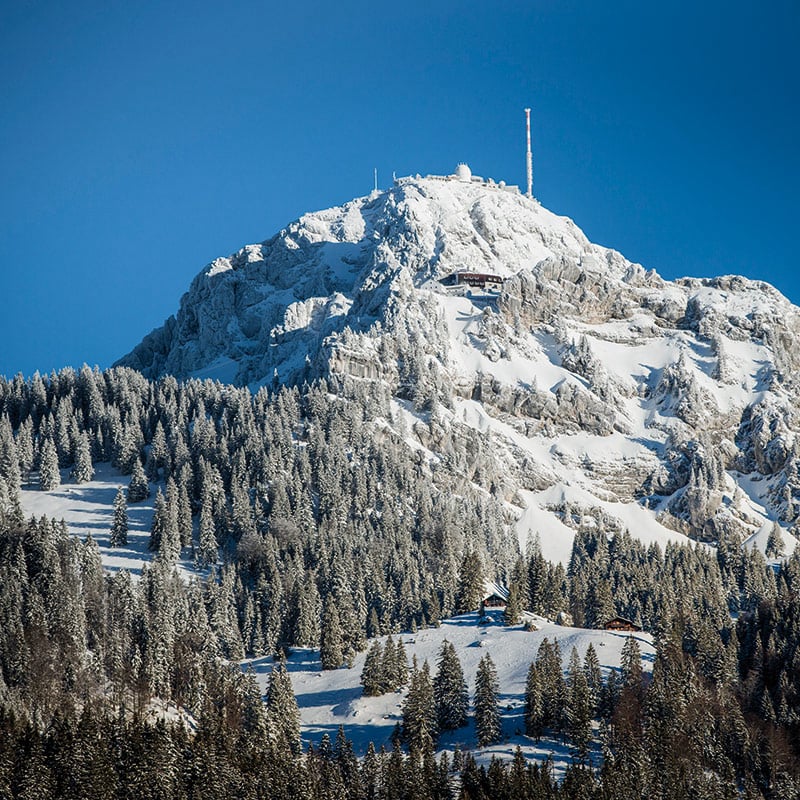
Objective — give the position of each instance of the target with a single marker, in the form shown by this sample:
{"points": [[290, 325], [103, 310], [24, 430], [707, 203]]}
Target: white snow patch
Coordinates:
{"points": [[328, 699], [88, 508]]}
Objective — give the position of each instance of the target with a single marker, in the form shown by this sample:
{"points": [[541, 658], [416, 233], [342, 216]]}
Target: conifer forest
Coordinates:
{"points": [[312, 524]]}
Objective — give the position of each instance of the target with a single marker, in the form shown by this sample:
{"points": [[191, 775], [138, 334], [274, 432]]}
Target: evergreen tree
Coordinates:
{"points": [[774, 548], [283, 716], [160, 522], [553, 687], [24, 448], [534, 718], [631, 664], [128, 447], [400, 664], [537, 576], [372, 677], [83, 471], [138, 488], [395, 664], [331, 651], [599, 603], [184, 513], [487, 714], [513, 610], [306, 621], [419, 710], [609, 695], [578, 709], [594, 677], [169, 546], [49, 475], [450, 690], [207, 549], [119, 525], [470, 583]]}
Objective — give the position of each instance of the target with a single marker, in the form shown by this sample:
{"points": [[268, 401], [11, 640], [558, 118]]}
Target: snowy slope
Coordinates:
{"points": [[601, 390], [331, 698], [88, 508]]}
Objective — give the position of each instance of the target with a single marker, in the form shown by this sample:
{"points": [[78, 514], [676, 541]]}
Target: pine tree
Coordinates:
{"points": [[331, 651], [24, 445], [49, 475], [347, 764], [631, 664], [609, 695], [207, 549], [129, 445], [184, 512], [395, 664], [774, 548], [419, 710], [254, 711], [138, 488], [470, 583], [599, 603], [169, 547], [372, 676], [159, 523], [400, 664], [283, 716], [450, 690], [537, 576], [534, 720], [158, 456], [578, 710], [83, 471], [370, 773], [487, 714], [594, 677], [554, 690], [119, 525], [513, 610], [306, 621]]}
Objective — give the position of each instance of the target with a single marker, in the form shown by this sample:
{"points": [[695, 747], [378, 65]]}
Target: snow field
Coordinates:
{"points": [[88, 508], [328, 699]]}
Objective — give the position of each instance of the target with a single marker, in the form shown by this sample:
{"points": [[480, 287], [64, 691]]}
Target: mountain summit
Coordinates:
{"points": [[270, 305], [584, 389]]}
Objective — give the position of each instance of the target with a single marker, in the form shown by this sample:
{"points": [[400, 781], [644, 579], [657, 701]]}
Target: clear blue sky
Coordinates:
{"points": [[140, 140]]}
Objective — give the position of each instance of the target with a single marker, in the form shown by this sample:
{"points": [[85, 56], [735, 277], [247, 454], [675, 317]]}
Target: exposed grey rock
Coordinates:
{"points": [[584, 368]]}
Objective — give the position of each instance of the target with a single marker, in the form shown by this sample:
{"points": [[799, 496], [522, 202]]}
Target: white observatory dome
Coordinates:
{"points": [[463, 172]]}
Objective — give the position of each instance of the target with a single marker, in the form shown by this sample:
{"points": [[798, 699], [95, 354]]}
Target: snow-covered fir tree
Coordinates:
{"points": [[83, 470], [450, 690], [119, 524], [49, 475], [487, 714], [138, 488]]}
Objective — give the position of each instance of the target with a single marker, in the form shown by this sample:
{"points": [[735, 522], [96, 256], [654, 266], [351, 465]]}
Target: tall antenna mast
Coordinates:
{"points": [[376, 178], [528, 155]]}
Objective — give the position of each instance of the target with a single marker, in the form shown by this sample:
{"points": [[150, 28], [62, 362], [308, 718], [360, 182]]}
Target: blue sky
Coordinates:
{"points": [[138, 141]]}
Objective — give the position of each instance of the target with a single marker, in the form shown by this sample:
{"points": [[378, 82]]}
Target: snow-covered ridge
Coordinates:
{"points": [[603, 393]]}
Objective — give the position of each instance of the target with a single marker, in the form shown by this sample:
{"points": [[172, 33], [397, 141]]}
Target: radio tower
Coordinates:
{"points": [[528, 156]]}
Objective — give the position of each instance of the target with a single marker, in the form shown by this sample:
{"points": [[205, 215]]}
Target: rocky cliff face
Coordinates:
{"points": [[595, 390]]}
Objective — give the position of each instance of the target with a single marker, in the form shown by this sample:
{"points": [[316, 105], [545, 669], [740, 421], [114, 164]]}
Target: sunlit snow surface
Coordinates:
{"points": [[88, 508], [328, 699]]}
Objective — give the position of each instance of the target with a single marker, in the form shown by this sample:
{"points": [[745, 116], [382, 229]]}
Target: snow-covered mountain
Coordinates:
{"points": [[575, 386]]}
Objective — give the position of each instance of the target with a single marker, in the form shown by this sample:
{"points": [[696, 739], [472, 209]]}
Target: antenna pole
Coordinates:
{"points": [[528, 156], [376, 178]]}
